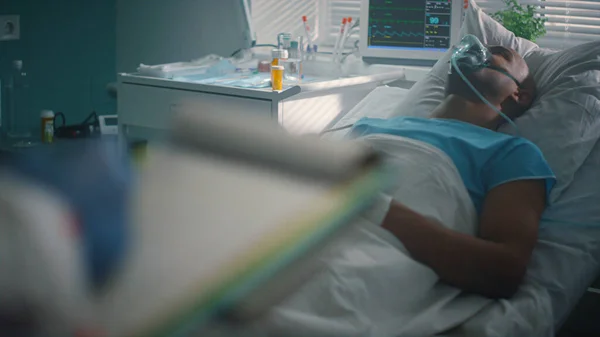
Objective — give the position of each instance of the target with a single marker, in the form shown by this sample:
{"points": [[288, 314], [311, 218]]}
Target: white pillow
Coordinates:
{"points": [[580, 202], [379, 103], [564, 120]]}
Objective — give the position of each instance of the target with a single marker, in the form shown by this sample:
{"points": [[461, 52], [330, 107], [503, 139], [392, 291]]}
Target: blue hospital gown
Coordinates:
{"points": [[484, 158]]}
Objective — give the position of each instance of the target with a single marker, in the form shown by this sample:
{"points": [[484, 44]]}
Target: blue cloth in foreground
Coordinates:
{"points": [[96, 180], [484, 158]]}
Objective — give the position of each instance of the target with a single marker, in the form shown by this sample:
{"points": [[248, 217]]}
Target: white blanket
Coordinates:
{"points": [[369, 285]]}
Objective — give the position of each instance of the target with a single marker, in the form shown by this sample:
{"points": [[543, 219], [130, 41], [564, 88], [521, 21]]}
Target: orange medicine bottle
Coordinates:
{"points": [[47, 126], [277, 78]]}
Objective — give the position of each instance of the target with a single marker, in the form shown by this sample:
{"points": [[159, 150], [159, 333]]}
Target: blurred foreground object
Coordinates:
{"points": [[43, 286], [94, 179], [62, 232], [226, 221]]}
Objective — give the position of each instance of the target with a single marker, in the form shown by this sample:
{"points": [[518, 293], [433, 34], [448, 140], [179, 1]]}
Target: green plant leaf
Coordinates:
{"points": [[521, 20]]}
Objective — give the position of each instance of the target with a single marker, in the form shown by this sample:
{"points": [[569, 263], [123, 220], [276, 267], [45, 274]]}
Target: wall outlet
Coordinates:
{"points": [[10, 28]]}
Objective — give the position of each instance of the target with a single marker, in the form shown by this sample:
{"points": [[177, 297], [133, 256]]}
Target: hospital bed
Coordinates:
{"points": [[565, 262]]}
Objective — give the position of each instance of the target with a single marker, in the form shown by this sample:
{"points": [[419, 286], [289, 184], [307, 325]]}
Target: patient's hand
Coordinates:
{"points": [[492, 265]]}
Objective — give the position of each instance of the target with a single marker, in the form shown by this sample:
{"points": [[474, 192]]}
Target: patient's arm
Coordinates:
{"points": [[492, 264]]}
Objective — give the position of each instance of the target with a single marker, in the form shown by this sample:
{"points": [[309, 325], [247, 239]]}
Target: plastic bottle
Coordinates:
{"points": [[279, 56], [293, 65], [18, 88]]}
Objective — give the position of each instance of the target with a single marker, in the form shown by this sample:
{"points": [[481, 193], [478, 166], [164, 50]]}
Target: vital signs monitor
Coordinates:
{"points": [[410, 30]]}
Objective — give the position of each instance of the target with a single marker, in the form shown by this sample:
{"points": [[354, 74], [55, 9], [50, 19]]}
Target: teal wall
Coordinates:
{"points": [[68, 52]]}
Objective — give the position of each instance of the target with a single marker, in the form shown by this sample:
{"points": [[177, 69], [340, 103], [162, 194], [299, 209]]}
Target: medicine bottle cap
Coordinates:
{"points": [[47, 114], [280, 53]]}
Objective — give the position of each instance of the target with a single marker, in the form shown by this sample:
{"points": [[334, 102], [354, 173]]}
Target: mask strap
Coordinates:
{"points": [[503, 71]]}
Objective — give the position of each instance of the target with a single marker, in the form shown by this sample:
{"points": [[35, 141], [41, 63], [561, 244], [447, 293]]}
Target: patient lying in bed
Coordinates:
{"points": [[464, 211], [507, 179]]}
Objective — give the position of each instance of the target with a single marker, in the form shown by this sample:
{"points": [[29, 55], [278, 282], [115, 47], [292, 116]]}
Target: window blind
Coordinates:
{"points": [[271, 17], [335, 11], [569, 22]]}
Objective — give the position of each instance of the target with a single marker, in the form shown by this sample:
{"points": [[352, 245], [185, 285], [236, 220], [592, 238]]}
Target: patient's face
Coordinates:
{"points": [[499, 88], [509, 60]]}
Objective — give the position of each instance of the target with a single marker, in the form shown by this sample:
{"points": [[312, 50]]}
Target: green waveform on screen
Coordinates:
{"points": [[378, 8], [396, 21], [399, 34]]}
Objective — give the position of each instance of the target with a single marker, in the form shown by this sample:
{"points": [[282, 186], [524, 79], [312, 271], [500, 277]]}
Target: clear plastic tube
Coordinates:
{"points": [[307, 31], [345, 35], [339, 39]]}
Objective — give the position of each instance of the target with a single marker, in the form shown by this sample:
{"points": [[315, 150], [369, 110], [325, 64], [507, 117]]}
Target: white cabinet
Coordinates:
{"points": [[145, 104]]}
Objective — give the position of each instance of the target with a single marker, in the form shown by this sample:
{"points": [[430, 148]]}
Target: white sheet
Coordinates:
{"points": [[564, 263], [369, 285], [376, 105]]}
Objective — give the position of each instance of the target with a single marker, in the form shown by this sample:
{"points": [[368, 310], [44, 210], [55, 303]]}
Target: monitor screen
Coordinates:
{"points": [[398, 27], [420, 24]]}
